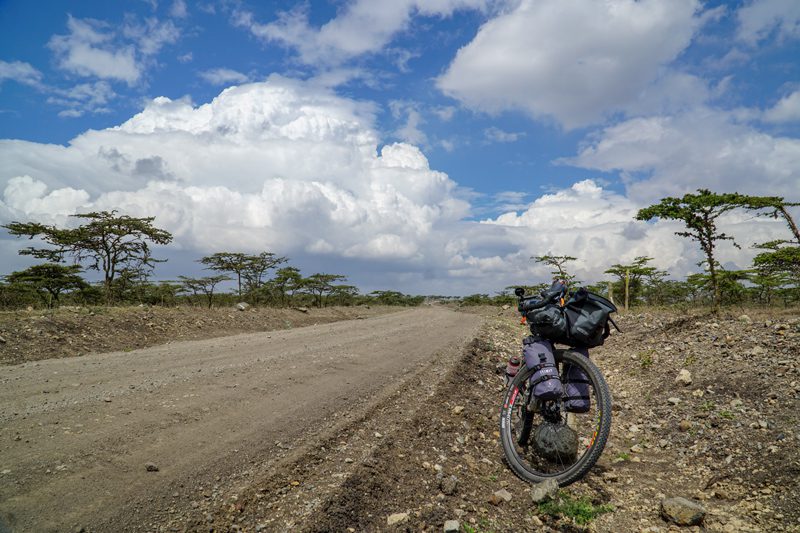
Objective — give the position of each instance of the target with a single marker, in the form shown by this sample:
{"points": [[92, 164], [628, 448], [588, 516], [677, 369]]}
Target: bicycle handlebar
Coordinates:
{"points": [[527, 303]]}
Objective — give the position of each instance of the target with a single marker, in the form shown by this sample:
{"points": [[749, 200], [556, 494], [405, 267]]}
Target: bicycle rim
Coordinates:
{"points": [[550, 442]]}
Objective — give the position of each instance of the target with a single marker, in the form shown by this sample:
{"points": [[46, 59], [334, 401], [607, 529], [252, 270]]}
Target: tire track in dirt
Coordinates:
{"points": [[209, 413]]}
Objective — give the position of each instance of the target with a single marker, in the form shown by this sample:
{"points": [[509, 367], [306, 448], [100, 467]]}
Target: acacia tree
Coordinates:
{"points": [[776, 207], [49, 280], [557, 262], [257, 267], [250, 268], [319, 285], [699, 212], [634, 273], [108, 243], [233, 262], [287, 280], [203, 286]]}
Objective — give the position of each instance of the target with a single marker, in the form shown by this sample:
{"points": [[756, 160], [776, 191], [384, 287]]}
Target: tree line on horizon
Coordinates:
{"points": [[118, 248], [773, 277]]}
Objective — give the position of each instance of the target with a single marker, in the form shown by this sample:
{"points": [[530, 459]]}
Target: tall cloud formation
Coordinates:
{"points": [[286, 166], [278, 165]]}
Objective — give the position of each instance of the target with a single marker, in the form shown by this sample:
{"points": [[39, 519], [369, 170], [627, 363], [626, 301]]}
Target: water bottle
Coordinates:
{"points": [[512, 367]]}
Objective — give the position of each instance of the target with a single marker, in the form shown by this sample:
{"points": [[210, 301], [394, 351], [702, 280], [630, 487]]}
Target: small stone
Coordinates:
{"points": [[758, 350], [673, 400], [746, 319], [736, 403], [242, 306], [610, 477], [458, 409], [107, 399], [682, 512], [685, 425], [378, 435], [684, 378], [452, 526], [546, 490], [449, 485], [396, 518], [636, 448], [348, 460], [2, 340], [151, 467], [499, 497]]}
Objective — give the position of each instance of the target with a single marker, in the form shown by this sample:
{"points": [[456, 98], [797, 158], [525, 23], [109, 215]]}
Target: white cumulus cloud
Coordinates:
{"points": [[672, 155], [278, 165], [760, 19], [574, 61], [88, 50], [786, 110], [361, 27], [20, 72], [291, 167], [223, 76]]}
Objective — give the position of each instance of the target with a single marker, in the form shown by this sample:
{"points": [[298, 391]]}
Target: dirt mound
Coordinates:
{"points": [[75, 331]]}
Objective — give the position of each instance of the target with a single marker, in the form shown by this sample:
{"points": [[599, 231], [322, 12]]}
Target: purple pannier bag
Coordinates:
{"points": [[576, 386], [545, 381]]}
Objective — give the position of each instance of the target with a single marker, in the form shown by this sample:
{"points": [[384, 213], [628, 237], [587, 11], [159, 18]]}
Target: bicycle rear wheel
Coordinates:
{"points": [[542, 440]]}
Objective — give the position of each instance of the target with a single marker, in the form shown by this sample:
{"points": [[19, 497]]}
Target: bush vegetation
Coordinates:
{"points": [[118, 247]]}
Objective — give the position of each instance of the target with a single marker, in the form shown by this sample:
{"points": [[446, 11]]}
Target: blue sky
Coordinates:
{"points": [[426, 146]]}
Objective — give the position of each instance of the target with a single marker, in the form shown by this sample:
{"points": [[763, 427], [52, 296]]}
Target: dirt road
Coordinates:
{"points": [[77, 435]]}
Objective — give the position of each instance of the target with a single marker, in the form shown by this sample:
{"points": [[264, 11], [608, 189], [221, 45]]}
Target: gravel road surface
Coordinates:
{"points": [[116, 440]]}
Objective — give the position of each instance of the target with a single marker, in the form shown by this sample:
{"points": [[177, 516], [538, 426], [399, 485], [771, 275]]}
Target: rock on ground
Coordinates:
{"points": [[396, 518], [499, 497], [452, 526], [682, 511], [544, 491]]}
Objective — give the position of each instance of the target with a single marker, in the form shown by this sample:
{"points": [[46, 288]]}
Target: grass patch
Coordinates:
{"points": [[726, 414], [624, 456], [481, 527], [581, 510], [646, 358]]}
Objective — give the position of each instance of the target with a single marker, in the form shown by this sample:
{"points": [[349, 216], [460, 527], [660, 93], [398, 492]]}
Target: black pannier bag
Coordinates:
{"points": [[587, 317], [549, 322], [582, 322]]}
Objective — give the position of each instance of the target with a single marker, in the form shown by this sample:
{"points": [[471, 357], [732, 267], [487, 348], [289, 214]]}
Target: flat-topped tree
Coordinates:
{"points": [[633, 273], [558, 262], [320, 284], [772, 206], [108, 243], [247, 267], [699, 213], [49, 280], [204, 286]]}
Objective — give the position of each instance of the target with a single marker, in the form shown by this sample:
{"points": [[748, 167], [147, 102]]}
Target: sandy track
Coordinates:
{"points": [[75, 434]]}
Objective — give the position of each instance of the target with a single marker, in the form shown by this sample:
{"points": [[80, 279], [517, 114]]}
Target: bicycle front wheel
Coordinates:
{"points": [[548, 440]]}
